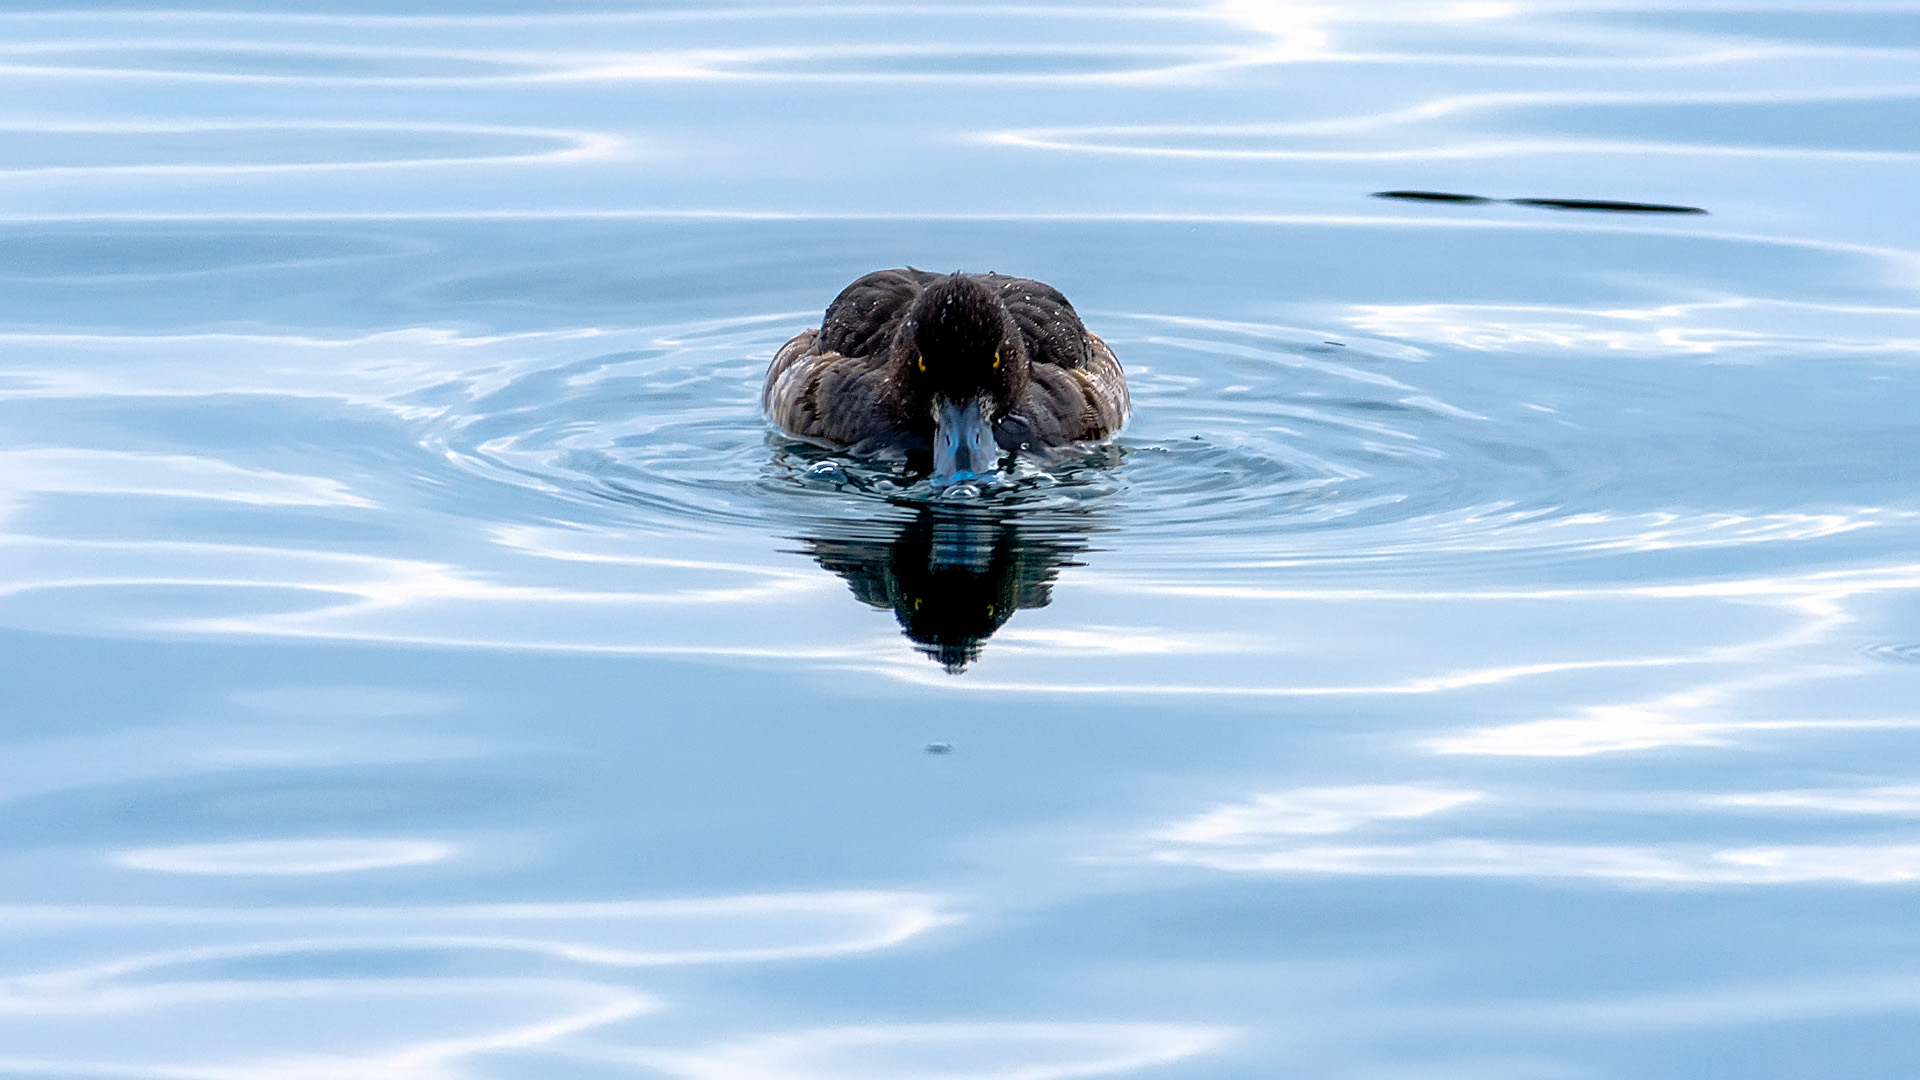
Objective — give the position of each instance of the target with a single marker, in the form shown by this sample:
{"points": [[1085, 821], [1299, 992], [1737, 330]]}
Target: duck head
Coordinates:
{"points": [[963, 364]]}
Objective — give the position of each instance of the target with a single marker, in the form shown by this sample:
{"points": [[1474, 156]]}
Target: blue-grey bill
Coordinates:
{"points": [[963, 446]]}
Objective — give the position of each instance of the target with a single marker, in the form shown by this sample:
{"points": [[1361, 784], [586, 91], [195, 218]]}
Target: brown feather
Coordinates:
{"points": [[1070, 388]]}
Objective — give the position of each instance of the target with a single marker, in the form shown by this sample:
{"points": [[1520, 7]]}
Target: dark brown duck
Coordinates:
{"points": [[961, 367]]}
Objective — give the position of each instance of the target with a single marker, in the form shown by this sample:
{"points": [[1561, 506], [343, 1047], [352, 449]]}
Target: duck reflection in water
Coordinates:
{"points": [[951, 575]]}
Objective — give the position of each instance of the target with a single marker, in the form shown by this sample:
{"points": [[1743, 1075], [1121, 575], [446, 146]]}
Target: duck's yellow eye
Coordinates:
{"points": [[916, 603], [921, 363], [996, 361]]}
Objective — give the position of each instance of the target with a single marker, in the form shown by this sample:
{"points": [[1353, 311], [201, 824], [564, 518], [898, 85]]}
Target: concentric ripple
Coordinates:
{"points": [[1243, 437]]}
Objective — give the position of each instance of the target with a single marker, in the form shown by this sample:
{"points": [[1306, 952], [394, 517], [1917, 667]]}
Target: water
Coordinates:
{"points": [[1489, 651]]}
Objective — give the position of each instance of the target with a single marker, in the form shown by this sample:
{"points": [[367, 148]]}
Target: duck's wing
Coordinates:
{"points": [[1076, 389], [834, 383], [1070, 404], [827, 396]]}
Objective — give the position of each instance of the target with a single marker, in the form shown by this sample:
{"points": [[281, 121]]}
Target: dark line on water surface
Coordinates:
{"points": [[1432, 196], [1608, 206], [1604, 206]]}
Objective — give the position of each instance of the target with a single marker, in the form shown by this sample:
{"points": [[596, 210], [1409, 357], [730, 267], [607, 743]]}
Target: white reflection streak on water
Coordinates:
{"points": [[1815, 606], [376, 370], [975, 1051], [276, 858], [1670, 864], [46, 469], [1113, 139], [162, 1007], [639, 933], [1666, 330], [368, 584], [573, 147], [1313, 811], [323, 1029], [1280, 34], [1903, 801], [1264, 836]]}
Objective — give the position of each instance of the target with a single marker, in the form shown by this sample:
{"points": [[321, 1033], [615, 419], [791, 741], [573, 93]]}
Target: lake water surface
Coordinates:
{"points": [[1492, 649]]}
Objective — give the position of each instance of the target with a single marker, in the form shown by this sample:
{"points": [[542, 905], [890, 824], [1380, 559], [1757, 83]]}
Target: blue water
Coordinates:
{"points": [[1490, 651]]}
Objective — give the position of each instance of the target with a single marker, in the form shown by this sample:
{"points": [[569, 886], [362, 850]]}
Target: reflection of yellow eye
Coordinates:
{"points": [[916, 603], [989, 609], [996, 367], [922, 362]]}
